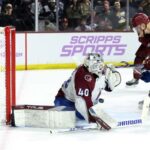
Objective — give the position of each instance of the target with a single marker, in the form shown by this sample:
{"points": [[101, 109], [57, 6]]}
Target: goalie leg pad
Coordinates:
{"points": [[44, 116], [61, 117], [81, 108]]}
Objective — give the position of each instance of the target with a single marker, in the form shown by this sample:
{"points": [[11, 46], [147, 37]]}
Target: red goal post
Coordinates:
{"points": [[7, 73]]}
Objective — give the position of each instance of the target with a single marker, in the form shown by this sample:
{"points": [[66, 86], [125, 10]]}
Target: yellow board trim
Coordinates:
{"points": [[47, 66], [57, 66]]}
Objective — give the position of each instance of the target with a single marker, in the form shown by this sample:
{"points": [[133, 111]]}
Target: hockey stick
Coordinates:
{"points": [[125, 64], [97, 126], [103, 121]]}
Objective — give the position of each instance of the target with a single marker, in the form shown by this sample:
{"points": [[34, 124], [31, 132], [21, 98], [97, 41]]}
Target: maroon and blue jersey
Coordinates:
{"points": [[83, 84]]}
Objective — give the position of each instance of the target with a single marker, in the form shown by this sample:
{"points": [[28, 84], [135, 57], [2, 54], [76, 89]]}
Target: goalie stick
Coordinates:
{"points": [[95, 127], [103, 120], [125, 64]]}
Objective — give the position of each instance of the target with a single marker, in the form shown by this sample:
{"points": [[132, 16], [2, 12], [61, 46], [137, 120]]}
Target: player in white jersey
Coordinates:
{"points": [[82, 90]]}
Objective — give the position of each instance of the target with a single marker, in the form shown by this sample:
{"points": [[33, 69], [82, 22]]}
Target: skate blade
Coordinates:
{"points": [[131, 86]]}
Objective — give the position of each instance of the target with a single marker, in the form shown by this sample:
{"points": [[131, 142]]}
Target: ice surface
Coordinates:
{"points": [[40, 87]]}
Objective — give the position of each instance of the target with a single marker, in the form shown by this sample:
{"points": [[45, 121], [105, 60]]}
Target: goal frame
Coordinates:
{"points": [[10, 71]]}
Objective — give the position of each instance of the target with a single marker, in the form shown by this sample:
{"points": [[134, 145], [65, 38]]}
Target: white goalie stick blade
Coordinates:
{"points": [[78, 128]]}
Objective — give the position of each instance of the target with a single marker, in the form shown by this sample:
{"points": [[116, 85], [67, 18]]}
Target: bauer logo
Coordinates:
{"points": [[129, 122], [105, 45]]}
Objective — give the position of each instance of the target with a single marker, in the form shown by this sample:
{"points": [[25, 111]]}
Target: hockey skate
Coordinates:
{"points": [[132, 82], [141, 103]]}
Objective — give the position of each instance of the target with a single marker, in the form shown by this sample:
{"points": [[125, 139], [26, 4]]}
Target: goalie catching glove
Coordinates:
{"points": [[113, 77]]}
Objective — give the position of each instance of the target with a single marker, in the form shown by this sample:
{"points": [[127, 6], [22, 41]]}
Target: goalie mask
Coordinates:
{"points": [[95, 64]]}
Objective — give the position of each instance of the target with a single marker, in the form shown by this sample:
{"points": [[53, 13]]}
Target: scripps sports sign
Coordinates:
{"points": [[107, 45], [64, 48]]}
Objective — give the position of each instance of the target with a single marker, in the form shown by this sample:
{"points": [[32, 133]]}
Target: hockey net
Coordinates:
{"points": [[7, 73]]}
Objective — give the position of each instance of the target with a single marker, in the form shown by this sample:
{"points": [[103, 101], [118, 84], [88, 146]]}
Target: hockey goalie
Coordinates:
{"points": [[82, 90]]}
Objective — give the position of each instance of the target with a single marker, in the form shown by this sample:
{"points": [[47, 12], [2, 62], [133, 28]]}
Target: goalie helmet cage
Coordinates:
{"points": [[7, 73]]}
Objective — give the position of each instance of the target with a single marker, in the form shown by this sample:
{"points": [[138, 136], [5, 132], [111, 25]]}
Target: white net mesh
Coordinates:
{"points": [[2, 78]]}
